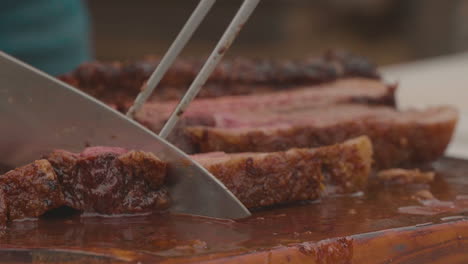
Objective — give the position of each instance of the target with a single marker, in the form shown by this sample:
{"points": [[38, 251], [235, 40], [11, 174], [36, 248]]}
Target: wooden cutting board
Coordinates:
{"points": [[370, 227]]}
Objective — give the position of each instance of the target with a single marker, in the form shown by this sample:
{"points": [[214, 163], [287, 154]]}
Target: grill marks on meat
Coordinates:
{"points": [[98, 180], [264, 179], [111, 182], [29, 191], [121, 82], [399, 137]]}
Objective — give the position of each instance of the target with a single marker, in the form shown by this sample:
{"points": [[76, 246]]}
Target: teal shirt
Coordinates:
{"points": [[52, 35]]}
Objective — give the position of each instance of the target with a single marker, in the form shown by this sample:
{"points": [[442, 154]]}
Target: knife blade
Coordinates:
{"points": [[40, 113]]}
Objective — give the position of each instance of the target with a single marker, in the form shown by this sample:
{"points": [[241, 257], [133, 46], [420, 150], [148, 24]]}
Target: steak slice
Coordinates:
{"points": [[29, 191], [111, 180], [98, 180], [400, 138], [202, 111], [399, 176], [120, 82], [264, 179], [116, 181]]}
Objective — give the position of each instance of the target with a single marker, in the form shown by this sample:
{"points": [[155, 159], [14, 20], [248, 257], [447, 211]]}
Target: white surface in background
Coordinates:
{"points": [[436, 81]]}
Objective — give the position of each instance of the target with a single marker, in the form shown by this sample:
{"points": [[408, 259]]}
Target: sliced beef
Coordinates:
{"points": [[202, 111], [111, 180], [397, 176], [116, 181], [264, 179], [120, 82], [29, 191], [400, 138], [98, 180]]}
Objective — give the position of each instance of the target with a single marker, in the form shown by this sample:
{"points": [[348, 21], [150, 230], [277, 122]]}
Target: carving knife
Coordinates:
{"points": [[40, 113]]}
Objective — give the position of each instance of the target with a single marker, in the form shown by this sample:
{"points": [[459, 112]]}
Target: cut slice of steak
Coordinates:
{"points": [[29, 191], [400, 138], [119, 82], [397, 176], [202, 111], [98, 180], [116, 181], [264, 179], [111, 180]]}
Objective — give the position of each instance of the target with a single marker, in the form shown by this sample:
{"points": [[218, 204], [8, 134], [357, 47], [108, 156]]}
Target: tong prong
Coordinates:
{"points": [[179, 43], [241, 17]]}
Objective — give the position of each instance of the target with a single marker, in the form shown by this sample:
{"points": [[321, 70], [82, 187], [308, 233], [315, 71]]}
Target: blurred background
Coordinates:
{"points": [[387, 31], [57, 35]]}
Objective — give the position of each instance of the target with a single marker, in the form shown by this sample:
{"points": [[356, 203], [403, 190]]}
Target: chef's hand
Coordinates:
{"points": [[52, 35]]}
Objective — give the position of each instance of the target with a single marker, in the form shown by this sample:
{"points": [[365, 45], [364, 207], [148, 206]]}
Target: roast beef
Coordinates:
{"points": [[264, 179], [29, 191], [119, 82], [98, 180], [405, 177], [400, 138], [203, 111], [111, 180], [116, 181]]}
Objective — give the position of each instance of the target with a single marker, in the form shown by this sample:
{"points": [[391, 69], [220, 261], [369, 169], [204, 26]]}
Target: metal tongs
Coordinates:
{"points": [[40, 113], [187, 31]]}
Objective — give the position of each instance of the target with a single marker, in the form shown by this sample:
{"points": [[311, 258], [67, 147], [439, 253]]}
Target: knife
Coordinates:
{"points": [[40, 113]]}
